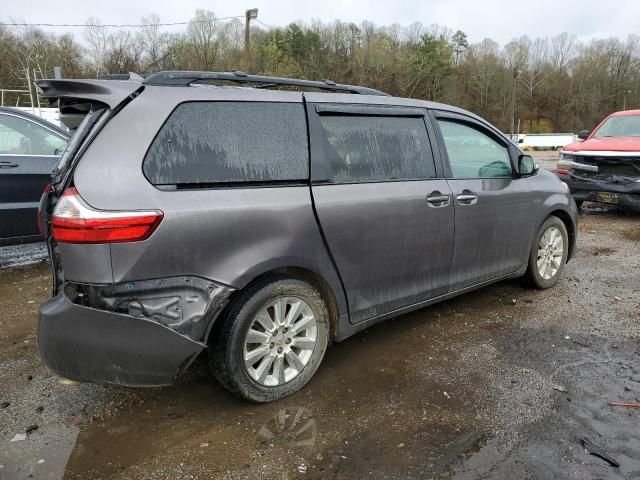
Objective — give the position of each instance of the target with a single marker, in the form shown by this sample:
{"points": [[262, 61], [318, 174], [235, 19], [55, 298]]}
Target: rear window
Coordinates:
{"points": [[229, 142], [376, 148]]}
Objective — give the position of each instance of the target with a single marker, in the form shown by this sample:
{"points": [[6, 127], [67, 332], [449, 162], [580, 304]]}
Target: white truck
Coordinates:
{"points": [[50, 114], [545, 141]]}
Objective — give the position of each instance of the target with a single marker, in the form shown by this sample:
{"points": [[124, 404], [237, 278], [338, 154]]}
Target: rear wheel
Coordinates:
{"points": [[548, 254], [272, 341]]}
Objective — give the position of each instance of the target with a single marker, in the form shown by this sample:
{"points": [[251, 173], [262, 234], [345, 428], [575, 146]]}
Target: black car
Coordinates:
{"points": [[29, 149]]}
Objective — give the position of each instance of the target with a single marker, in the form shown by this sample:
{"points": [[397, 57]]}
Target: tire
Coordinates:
{"points": [[281, 376], [546, 276]]}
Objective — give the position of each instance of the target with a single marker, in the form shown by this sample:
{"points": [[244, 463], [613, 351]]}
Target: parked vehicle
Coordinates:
{"points": [[545, 141], [29, 149], [604, 166], [263, 224]]}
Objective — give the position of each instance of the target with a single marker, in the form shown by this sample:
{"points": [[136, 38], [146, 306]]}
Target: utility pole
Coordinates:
{"points": [[249, 15], [513, 104], [624, 101]]}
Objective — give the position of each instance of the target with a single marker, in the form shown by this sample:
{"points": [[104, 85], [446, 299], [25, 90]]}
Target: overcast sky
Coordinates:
{"points": [[496, 19]]}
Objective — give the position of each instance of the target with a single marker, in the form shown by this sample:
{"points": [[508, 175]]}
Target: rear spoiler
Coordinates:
{"points": [[75, 97], [109, 92]]}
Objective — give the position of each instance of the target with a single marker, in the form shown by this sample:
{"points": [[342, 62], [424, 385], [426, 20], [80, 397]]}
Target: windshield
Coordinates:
{"points": [[623, 126]]}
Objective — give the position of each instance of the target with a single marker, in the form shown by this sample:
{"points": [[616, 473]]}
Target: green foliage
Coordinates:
{"points": [[459, 44]]}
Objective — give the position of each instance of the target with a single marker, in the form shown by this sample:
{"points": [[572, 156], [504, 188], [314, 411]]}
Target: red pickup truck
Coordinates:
{"points": [[604, 165]]}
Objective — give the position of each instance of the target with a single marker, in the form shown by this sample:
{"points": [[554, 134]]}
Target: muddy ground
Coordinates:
{"points": [[500, 383]]}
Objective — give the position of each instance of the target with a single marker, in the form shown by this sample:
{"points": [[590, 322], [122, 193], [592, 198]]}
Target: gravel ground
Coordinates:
{"points": [[499, 383]]}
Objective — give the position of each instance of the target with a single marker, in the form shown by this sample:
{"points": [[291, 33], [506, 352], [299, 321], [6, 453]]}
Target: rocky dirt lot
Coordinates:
{"points": [[500, 383]]}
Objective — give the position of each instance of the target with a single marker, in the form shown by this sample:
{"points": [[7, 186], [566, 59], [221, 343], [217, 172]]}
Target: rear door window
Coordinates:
{"points": [[19, 136], [359, 148], [230, 142]]}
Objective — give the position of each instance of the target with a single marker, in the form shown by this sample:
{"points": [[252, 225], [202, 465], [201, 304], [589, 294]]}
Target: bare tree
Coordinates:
{"points": [[204, 39]]}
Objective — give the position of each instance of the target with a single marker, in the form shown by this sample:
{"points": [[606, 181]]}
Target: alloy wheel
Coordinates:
{"points": [[280, 341], [550, 253]]}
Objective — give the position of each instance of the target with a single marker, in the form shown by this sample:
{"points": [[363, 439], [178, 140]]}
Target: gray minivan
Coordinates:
{"points": [[190, 212]]}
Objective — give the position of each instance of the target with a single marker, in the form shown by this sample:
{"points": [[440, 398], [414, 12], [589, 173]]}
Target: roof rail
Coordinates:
{"points": [[121, 76], [184, 78]]}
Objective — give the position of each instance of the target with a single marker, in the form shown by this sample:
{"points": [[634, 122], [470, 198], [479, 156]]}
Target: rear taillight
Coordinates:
{"points": [[73, 221]]}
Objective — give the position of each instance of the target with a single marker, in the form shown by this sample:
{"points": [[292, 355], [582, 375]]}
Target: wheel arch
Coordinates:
{"points": [[569, 225], [305, 274]]}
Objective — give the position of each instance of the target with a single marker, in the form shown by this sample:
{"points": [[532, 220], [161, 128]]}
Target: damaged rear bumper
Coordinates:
{"points": [[86, 344]]}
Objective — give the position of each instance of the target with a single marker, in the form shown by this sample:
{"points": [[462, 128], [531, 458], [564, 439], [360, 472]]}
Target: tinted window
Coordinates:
{"points": [[23, 137], [219, 142], [368, 149], [472, 153]]}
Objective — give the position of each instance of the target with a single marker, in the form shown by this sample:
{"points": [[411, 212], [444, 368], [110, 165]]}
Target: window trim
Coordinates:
{"points": [[470, 122], [320, 174], [23, 155], [344, 110], [176, 187], [45, 127]]}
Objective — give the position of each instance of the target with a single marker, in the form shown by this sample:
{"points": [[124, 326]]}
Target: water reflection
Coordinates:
{"points": [[197, 430], [291, 427]]}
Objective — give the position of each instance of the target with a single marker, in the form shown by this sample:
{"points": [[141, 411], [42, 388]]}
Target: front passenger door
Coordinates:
{"points": [[492, 205]]}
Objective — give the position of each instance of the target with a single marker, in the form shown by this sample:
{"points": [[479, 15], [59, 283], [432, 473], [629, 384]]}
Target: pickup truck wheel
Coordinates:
{"points": [[272, 340], [548, 254]]}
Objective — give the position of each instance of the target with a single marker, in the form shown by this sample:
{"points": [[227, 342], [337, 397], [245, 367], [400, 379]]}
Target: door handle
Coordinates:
{"points": [[467, 199], [436, 199], [5, 164]]}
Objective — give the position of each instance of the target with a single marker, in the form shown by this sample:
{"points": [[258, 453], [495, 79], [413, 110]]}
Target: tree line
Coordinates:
{"points": [[549, 84]]}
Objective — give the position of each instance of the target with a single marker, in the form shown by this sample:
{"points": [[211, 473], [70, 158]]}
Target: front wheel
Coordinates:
{"points": [[548, 254], [272, 340]]}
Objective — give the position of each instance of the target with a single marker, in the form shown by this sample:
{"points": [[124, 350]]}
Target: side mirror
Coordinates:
{"points": [[583, 134], [526, 165]]}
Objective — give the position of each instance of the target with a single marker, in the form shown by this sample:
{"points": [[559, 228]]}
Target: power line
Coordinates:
{"points": [[264, 24], [114, 25]]}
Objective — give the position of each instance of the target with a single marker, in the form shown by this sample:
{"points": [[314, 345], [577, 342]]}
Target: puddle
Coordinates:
{"points": [[39, 456], [370, 411]]}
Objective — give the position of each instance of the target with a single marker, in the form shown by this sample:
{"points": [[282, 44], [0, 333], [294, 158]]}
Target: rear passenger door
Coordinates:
{"points": [[386, 216], [492, 205]]}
